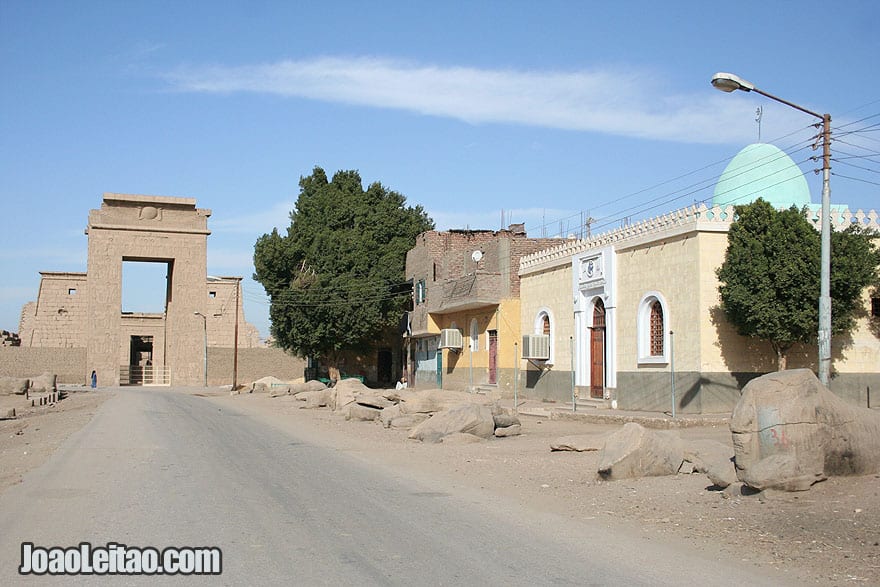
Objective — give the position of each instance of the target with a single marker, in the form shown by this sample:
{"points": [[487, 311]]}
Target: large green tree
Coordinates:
{"points": [[770, 276], [336, 280]]}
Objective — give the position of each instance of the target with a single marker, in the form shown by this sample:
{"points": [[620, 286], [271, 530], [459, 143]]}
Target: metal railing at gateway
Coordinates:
{"points": [[149, 375]]}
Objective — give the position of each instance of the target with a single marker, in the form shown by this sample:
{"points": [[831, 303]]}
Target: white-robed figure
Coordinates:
{"points": [[402, 383]]}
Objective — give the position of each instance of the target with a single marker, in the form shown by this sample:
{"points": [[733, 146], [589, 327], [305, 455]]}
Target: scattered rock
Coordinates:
{"points": [[360, 412], [279, 391], [712, 458], [388, 414], [45, 383], [265, 384], [436, 400], [512, 430], [407, 422], [580, 442], [505, 420], [469, 418], [373, 398], [635, 451], [321, 398], [346, 390], [13, 386]]}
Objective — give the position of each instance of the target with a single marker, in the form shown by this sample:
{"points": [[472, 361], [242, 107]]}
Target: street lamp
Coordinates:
{"points": [[728, 82], [205, 323]]}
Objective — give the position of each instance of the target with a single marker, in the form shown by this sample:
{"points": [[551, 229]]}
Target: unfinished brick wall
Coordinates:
{"points": [[439, 258]]}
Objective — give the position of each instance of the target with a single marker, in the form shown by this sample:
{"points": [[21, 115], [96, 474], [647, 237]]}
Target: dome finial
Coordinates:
{"points": [[759, 114]]}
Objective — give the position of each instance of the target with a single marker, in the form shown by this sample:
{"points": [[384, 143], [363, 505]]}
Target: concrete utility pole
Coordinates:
{"points": [[728, 82]]}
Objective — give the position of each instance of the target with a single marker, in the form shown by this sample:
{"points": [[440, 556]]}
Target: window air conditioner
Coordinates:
{"points": [[450, 338], [536, 346]]}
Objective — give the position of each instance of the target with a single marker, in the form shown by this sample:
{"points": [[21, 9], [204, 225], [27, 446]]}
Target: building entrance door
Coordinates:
{"points": [[140, 363], [597, 351], [493, 357]]}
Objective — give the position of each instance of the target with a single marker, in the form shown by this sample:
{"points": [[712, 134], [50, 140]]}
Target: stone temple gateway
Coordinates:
{"points": [[84, 310]]}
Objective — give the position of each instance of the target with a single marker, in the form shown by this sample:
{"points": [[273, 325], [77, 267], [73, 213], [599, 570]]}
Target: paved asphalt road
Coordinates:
{"points": [[166, 468]]}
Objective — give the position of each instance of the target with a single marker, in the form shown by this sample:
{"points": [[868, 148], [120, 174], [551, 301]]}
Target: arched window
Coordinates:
{"points": [[656, 332], [475, 335], [653, 329], [544, 324]]}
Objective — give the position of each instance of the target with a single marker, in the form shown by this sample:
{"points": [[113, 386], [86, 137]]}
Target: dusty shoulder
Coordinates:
{"points": [[28, 440]]}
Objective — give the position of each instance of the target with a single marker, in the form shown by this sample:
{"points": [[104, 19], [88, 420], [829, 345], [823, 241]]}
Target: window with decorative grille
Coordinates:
{"points": [[656, 329]]}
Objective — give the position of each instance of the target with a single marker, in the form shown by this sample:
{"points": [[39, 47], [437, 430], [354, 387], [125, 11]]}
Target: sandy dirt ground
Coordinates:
{"points": [[27, 441], [827, 535]]}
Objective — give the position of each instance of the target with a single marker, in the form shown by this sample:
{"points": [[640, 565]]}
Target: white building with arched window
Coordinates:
{"points": [[634, 313]]}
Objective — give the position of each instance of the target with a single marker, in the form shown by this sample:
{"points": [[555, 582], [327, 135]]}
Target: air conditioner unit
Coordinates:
{"points": [[536, 346], [450, 338]]}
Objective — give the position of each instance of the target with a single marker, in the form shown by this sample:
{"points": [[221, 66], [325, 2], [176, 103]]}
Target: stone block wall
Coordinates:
{"points": [[253, 364], [68, 363], [58, 318]]}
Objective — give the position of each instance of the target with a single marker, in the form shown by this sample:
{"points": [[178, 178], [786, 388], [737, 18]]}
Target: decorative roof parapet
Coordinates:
{"points": [[708, 218]]}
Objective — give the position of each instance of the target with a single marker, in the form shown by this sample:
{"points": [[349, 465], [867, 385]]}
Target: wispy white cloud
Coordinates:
{"points": [[634, 103]]}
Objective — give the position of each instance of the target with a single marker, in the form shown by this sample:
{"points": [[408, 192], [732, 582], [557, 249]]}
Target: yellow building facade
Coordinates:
{"points": [[635, 319]]}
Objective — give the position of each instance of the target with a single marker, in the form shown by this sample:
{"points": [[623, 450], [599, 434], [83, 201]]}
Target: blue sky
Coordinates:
{"points": [[542, 110]]}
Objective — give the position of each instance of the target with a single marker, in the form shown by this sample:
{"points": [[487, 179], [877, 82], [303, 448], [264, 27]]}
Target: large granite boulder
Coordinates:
{"points": [[712, 458], [635, 451], [388, 414], [436, 400], [346, 391], [468, 418], [789, 431], [311, 385], [321, 398], [13, 386], [373, 398], [360, 412], [45, 383], [407, 422]]}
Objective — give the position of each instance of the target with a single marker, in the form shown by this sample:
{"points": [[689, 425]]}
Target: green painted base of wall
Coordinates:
{"points": [[695, 393], [861, 389], [548, 386], [717, 393]]}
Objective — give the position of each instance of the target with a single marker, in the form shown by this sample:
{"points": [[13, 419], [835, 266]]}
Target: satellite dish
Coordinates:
{"points": [[477, 255]]}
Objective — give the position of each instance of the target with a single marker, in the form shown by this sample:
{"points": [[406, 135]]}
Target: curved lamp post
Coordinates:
{"points": [[728, 82], [205, 323]]}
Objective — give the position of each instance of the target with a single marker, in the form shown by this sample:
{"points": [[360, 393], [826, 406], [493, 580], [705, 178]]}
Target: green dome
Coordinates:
{"points": [[762, 171]]}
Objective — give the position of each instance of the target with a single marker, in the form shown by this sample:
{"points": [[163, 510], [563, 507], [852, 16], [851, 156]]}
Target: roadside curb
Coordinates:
{"points": [[655, 421]]}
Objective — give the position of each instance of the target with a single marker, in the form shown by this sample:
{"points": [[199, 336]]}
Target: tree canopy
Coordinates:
{"points": [[336, 280], [770, 277]]}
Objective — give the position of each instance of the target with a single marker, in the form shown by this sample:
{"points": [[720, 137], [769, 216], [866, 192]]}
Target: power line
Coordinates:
{"points": [[854, 178]]}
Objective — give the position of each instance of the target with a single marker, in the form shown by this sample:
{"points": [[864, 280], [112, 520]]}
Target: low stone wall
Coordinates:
{"points": [[68, 363], [253, 364]]}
